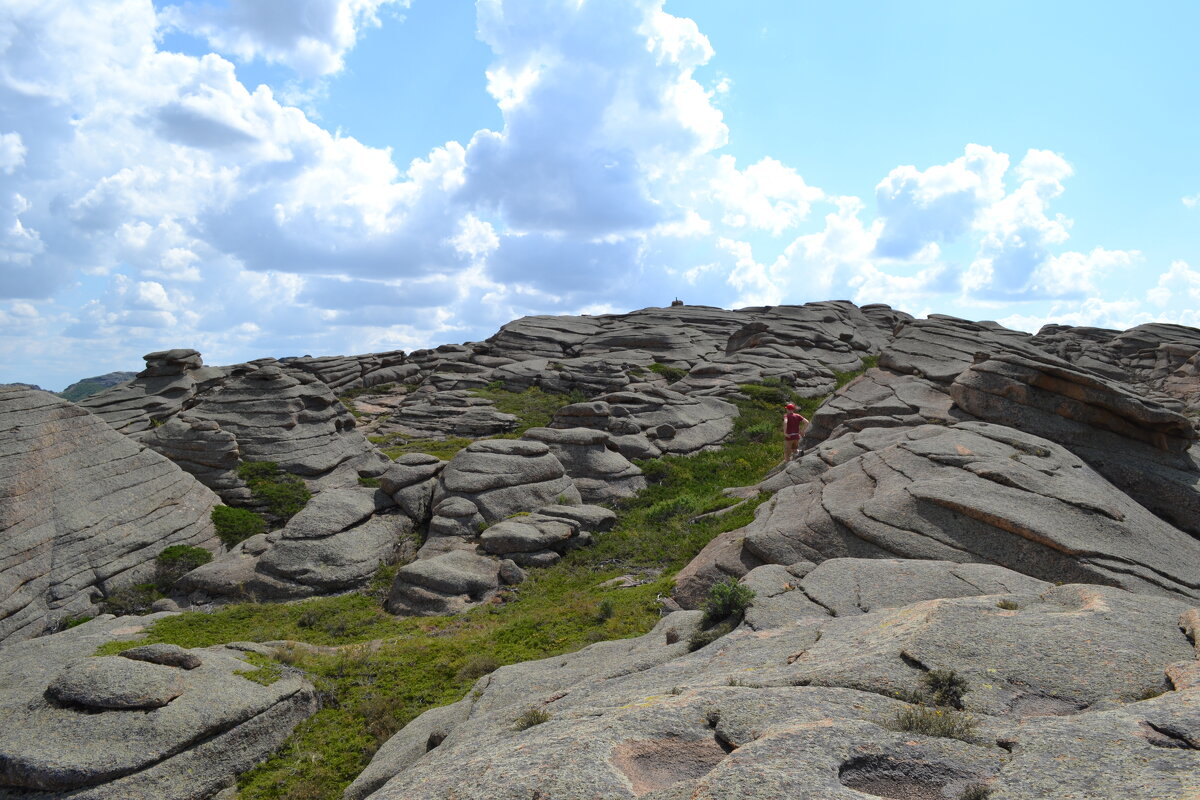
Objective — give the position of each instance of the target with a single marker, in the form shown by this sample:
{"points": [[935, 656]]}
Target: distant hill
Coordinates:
{"points": [[20, 386], [90, 386]]}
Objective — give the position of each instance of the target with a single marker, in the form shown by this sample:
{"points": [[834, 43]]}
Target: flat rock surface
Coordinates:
{"points": [[83, 511], [109, 727], [806, 709]]}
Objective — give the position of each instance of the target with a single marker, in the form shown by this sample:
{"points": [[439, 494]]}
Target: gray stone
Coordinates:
{"points": [[444, 584], [593, 462], [111, 727], [83, 512], [169, 655]]}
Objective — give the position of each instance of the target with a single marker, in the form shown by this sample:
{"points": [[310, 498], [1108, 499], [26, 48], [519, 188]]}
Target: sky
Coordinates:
{"points": [[257, 178]]}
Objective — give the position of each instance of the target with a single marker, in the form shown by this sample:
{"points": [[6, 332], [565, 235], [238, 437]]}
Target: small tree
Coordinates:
{"points": [[727, 598], [236, 524]]}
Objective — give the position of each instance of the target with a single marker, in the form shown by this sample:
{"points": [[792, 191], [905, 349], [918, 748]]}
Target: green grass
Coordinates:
{"points": [[533, 408], [415, 664], [283, 493], [442, 448], [672, 374], [943, 722]]}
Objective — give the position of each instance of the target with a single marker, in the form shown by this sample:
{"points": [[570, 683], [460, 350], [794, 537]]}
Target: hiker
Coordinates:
{"points": [[794, 424]]}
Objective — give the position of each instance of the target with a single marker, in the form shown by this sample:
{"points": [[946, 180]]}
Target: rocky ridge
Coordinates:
{"points": [[941, 497]]}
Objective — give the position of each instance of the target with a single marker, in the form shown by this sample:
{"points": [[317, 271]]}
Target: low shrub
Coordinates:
{"points": [[945, 687], [532, 716], [976, 791], [176, 561], [283, 494], [703, 637], [672, 374], [1008, 605], [943, 722], [726, 599], [476, 667], [370, 483], [236, 524], [604, 611], [135, 599]]}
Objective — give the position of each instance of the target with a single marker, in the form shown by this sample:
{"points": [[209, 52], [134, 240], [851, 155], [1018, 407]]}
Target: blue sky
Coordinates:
{"points": [[278, 177]]}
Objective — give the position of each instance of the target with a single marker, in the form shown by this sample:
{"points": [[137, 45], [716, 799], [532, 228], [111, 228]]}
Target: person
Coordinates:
{"points": [[794, 424]]}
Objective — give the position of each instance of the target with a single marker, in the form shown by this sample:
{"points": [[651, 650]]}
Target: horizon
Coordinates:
{"points": [[247, 178]]}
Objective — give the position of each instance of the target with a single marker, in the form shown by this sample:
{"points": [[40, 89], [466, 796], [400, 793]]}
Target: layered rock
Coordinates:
{"points": [[83, 511], [653, 422], [593, 462], [353, 372], [805, 706], [1135, 442], [154, 723], [337, 542], [973, 492]]}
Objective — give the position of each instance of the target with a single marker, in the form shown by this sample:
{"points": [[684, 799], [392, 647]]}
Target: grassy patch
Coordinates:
{"points": [[135, 599], [414, 664], [672, 374], [236, 524], [533, 408], [283, 494], [442, 448], [175, 561], [926, 721], [531, 716], [266, 671]]}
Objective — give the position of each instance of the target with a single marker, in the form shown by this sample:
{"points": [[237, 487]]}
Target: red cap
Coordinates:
{"points": [[790, 406]]}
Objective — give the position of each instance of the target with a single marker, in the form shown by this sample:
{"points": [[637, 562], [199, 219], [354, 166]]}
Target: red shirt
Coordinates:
{"points": [[792, 422]]}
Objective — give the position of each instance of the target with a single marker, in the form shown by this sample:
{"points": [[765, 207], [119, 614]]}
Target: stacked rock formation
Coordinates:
{"points": [[83, 511]]}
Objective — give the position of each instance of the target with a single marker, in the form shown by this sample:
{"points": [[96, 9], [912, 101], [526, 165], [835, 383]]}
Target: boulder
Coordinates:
{"points": [[447, 583], [593, 462], [504, 476], [83, 512], [410, 480], [175, 726]]}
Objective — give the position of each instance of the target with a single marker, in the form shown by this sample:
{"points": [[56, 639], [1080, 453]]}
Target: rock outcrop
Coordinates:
{"points": [[156, 722], [973, 492], [83, 511], [805, 704]]}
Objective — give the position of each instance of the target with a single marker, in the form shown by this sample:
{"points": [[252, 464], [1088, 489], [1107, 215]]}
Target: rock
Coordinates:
{"points": [[83, 512], [698, 423], [1133, 441], [880, 398], [411, 481], [588, 517], [454, 412], [504, 476], [335, 543], [445, 584], [598, 470], [973, 492], [96, 728], [940, 347], [804, 709], [529, 534], [169, 655]]}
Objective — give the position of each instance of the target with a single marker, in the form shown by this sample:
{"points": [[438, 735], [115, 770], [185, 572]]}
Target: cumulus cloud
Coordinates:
{"points": [[191, 210], [1191, 201], [308, 36]]}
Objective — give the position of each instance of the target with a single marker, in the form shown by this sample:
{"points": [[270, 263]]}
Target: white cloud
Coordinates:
{"points": [[1179, 283], [1191, 201], [1076, 274], [12, 152], [309, 36]]}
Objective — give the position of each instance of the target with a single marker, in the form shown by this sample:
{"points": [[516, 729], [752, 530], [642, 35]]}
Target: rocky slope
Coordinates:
{"points": [[978, 494], [83, 511]]}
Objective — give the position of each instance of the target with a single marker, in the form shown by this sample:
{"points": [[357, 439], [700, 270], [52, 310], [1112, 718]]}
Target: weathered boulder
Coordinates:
{"points": [[410, 481], [454, 412], [650, 423], [1133, 441], [341, 373], [504, 476], [533, 540], [973, 492], [162, 725], [83, 511], [598, 470], [336, 542], [804, 708], [940, 347], [448, 583]]}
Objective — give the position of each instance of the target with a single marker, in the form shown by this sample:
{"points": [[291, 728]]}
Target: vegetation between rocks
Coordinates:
{"points": [[944, 722], [386, 670], [236, 525], [282, 493]]}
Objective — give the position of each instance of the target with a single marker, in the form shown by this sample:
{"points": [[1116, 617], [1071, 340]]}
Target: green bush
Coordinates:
{"points": [[174, 562], [672, 374], [236, 524], [726, 599], [532, 716], [976, 791], [283, 493], [370, 483], [135, 599], [1008, 605], [945, 687], [943, 722]]}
